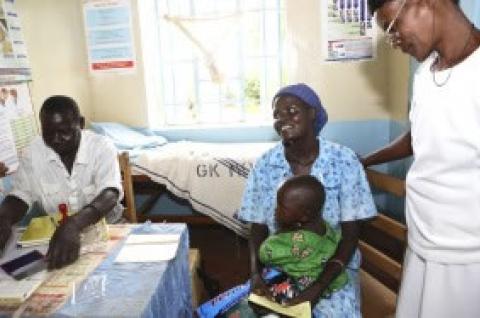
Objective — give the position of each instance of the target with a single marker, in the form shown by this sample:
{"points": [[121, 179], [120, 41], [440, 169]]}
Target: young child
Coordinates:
{"points": [[303, 243], [292, 258]]}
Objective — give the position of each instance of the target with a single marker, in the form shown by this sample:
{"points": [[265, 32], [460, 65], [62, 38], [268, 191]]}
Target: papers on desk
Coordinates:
{"points": [[302, 310], [141, 248], [17, 291], [39, 231], [13, 292]]}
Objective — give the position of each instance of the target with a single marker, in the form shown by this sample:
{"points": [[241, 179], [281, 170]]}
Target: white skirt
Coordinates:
{"points": [[437, 290]]}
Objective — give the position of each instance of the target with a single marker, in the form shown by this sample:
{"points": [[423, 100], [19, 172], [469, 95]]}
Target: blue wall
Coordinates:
{"points": [[362, 136], [472, 10]]}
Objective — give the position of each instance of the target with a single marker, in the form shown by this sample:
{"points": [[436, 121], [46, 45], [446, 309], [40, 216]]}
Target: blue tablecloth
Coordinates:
{"points": [[160, 289]]}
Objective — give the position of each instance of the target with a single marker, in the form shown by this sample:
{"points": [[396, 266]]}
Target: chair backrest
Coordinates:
{"points": [[382, 241], [130, 211], [384, 237]]}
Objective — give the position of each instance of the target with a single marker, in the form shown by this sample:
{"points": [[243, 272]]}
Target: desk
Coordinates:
{"points": [[134, 289]]}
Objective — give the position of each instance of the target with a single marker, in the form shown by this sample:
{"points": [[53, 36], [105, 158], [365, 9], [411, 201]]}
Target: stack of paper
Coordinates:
{"points": [[149, 248], [14, 292]]}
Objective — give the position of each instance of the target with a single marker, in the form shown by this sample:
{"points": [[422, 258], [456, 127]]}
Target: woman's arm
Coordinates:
{"points": [[336, 264], [400, 148], [258, 234]]}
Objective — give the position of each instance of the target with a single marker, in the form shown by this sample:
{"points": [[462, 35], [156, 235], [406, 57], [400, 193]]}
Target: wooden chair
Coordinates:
{"points": [[382, 244], [130, 212]]}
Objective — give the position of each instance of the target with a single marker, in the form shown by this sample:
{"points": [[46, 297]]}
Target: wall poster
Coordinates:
{"points": [[108, 27], [14, 66], [348, 31]]}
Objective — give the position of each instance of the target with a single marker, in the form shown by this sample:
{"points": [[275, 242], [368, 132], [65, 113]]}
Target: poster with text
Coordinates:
{"points": [[14, 66], [348, 31], [108, 27], [17, 123]]}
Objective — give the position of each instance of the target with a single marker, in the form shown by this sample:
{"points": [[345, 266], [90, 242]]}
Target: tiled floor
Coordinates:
{"points": [[224, 254]]}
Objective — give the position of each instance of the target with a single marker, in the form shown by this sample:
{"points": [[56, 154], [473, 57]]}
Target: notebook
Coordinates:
{"points": [[40, 230], [302, 310], [14, 292]]}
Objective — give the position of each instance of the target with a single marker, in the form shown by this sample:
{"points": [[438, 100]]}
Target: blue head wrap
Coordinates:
{"points": [[309, 97]]}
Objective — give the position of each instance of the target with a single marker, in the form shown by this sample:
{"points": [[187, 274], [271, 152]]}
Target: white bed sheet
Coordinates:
{"points": [[211, 176]]}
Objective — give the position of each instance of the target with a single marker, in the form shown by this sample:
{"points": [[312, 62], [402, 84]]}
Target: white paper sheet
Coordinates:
{"points": [[148, 248], [152, 238], [17, 123], [8, 151]]}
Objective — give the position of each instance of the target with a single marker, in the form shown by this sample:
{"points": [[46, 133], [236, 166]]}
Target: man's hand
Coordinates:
{"points": [[64, 247], [3, 170], [5, 232]]}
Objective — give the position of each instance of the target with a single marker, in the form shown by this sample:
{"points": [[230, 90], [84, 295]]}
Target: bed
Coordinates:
{"points": [[210, 176]]}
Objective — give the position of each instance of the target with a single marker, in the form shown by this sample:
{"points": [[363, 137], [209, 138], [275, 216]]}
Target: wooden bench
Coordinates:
{"points": [[382, 244]]}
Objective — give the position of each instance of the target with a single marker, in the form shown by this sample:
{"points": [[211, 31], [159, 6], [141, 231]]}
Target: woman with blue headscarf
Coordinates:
{"points": [[298, 119]]}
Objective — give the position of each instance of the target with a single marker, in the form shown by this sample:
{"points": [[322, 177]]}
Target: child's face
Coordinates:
{"points": [[290, 209]]}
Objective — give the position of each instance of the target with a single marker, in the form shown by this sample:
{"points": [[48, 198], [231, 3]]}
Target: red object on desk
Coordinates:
{"points": [[63, 209]]}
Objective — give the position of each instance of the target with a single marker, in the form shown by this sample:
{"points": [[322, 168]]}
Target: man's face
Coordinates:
{"points": [[61, 132], [292, 118], [411, 26]]}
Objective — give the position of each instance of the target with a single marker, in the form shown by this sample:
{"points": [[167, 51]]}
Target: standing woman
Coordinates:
{"points": [[441, 268], [299, 118]]}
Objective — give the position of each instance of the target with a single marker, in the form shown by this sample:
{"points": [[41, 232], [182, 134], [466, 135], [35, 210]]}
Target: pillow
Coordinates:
{"points": [[124, 137]]}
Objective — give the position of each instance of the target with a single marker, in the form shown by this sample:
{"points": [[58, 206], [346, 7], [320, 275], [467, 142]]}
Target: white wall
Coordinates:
{"points": [[121, 97], [53, 32], [353, 90], [350, 91]]}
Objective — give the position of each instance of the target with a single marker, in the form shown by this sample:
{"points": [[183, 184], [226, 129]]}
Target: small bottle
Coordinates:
{"points": [[63, 209]]}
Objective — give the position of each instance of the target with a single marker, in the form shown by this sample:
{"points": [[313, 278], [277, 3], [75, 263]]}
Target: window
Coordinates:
{"points": [[219, 61]]}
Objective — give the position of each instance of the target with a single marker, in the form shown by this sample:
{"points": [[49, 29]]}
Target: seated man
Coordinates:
{"points": [[65, 166]]}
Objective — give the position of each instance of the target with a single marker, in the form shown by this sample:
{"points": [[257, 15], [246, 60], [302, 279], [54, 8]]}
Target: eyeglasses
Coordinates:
{"points": [[389, 36]]}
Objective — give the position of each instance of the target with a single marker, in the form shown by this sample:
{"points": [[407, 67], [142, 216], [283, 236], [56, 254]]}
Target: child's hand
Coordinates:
{"points": [[259, 287]]}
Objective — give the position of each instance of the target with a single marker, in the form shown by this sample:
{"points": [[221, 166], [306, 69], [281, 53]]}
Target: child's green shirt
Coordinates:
{"points": [[302, 255]]}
